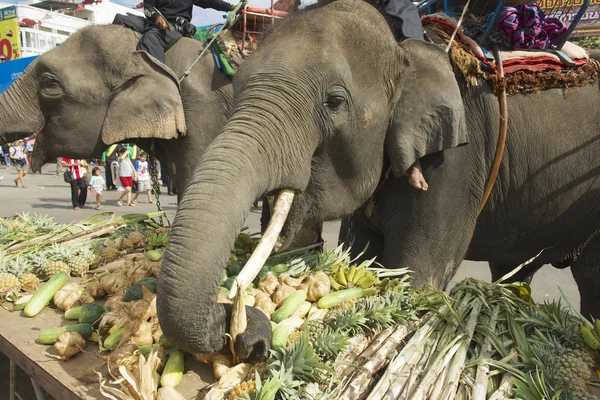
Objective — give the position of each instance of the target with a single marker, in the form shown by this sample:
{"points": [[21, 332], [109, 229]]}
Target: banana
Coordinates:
{"points": [[367, 280], [358, 275], [589, 337], [351, 272], [340, 276], [334, 284]]}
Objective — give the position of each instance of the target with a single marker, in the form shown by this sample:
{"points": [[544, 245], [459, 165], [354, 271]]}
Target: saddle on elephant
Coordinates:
{"points": [[530, 64]]}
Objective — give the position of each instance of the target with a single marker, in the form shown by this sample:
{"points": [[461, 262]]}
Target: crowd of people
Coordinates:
{"points": [[126, 169]]}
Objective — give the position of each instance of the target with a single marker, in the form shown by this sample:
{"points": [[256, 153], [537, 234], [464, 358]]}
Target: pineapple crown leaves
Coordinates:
{"points": [[305, 364], [551, 318], [350, 322], [330, 343], [536, 386]]}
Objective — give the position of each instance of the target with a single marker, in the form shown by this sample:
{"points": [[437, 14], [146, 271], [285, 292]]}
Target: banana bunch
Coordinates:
{"points": [[157, 239], [345, 277], [590, 335], [244, 245]]}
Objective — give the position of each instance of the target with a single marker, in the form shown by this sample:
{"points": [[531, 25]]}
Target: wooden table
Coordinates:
{"points": [[75, 378]]}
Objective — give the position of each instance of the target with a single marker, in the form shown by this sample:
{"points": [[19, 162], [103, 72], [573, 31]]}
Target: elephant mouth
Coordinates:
{"points": [[269, 241]]}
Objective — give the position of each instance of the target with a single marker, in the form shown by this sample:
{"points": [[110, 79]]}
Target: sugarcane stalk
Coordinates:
{"points": [[376, 360], [377, 341], [436, 391], [417, 373], [442, 360], [358, 344], [91, 234], [458, 361], [505, 389], [482, 375]]}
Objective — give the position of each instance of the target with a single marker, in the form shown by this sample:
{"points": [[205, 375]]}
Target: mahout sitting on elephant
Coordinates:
{"points": [[321, 109]]}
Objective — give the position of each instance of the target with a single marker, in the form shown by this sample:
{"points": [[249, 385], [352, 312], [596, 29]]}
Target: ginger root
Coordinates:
{"points": [[69, 344], [316, 286], [269, 284], [115, 283], [94, 289], [263, 303], [71, 295], [282, 293]]}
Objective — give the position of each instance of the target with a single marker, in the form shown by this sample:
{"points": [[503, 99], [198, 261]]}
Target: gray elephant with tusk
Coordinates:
{"points": [[324, 105], [95, 89]]}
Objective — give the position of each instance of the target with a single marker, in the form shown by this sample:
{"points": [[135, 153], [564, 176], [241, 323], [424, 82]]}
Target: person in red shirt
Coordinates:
{"points": [[78, 185]]}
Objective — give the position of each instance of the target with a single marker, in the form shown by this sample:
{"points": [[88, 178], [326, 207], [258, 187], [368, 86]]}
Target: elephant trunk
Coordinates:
{"points": [[20, 109]]}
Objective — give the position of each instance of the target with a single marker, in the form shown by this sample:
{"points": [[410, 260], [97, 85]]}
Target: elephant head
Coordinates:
{"points": [[90, 92], [316, 109]]}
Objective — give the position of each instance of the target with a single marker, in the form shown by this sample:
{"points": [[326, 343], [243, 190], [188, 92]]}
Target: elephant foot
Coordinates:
{"points": [[416, 178]]}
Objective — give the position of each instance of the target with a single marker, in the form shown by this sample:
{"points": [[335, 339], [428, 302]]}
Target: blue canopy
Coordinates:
{"points": [[11, 70]]}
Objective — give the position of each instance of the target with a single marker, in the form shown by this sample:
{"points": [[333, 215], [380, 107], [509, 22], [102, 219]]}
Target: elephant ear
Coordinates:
{"points": [[427, 109], [147, 104]]}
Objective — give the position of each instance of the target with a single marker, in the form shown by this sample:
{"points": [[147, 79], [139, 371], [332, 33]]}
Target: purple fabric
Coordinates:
{"points": [[528, 28]]}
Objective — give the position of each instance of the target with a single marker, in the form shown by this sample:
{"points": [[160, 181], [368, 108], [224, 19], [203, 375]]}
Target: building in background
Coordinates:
{"points": [[41, 26]]}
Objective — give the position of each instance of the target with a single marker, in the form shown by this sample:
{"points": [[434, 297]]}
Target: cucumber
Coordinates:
{"points": [[164, 342], [280, 336], [335, 298], [50, 336], [73, 313], [289, 306], [42, 297], [91, 313], [145, 350], [173, 372], [113, 340], [134, 292], [154, 255]]}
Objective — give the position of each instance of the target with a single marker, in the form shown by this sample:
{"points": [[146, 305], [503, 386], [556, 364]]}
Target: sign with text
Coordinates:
{"points": [[10, 71], [10, 43], [566, 10]]}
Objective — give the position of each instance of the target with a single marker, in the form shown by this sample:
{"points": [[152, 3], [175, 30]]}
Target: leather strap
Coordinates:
{"points": [[503, 132]]}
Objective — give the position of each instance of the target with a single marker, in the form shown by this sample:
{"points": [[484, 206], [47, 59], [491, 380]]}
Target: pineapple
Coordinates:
{"points": [[9, 282], [93, 259], [137, 238], [243, 390], [57, 261], [23, 269], [79, 265], [110, 254]]}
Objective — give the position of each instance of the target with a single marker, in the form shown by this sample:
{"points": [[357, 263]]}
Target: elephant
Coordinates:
{"points": [[322, 108], [95, 89]]}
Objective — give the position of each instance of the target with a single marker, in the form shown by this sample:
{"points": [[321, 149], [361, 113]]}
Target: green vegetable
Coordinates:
{"points": [[280, 337], [335, 298], [289, 306], [73, 313], [113, 340], [229, 282], [91, 313], [145, 350], [236, 267], [154, 255], [173, 371], [135, 292], [50, 336], [164, 342], [42, 297]]}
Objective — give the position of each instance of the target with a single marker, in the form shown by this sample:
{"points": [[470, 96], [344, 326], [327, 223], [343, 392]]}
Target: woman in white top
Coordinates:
{"points": [[17, 155], [127, 175]]}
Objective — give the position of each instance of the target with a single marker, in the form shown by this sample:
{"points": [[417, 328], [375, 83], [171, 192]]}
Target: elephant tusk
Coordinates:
{"points": [[266, 244]]}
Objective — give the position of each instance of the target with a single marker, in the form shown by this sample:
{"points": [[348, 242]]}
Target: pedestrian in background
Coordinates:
{"points": [[97, 186], [143, 178], [108, 157], [17, 155], [78, 186], [127, 175], [6, 153]]}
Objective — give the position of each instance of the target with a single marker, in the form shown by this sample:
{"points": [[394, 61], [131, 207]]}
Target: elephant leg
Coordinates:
{"points": [[524, 275], [586, 272], [355, 232]]}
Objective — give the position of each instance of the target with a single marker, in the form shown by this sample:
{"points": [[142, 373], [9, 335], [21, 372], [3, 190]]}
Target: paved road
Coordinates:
{"points": [[48, 194]]}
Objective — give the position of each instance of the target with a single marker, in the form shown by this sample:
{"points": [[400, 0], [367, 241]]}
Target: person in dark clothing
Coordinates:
{"points": [[403, 18], [166, 22]]}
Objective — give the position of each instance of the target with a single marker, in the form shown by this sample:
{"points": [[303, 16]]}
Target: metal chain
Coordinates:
{"points": [[154, 177]]}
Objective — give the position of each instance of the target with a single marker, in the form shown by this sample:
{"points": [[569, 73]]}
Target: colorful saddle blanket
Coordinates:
{"points": [[524, 71]]}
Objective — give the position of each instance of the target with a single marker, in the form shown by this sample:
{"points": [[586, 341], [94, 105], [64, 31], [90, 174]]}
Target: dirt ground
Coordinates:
{"points": [[48, 194]]}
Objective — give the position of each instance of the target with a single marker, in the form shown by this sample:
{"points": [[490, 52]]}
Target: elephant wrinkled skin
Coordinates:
{"points": [[324, 104]]}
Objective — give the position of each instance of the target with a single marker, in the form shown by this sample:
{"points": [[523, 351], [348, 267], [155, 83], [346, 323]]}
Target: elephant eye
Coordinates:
{"points": [[50, 86], [335, 101]]}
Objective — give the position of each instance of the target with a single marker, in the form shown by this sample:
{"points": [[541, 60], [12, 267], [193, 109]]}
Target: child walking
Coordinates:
{"points": [[127, 175], [97, 186], [143, 181]]}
